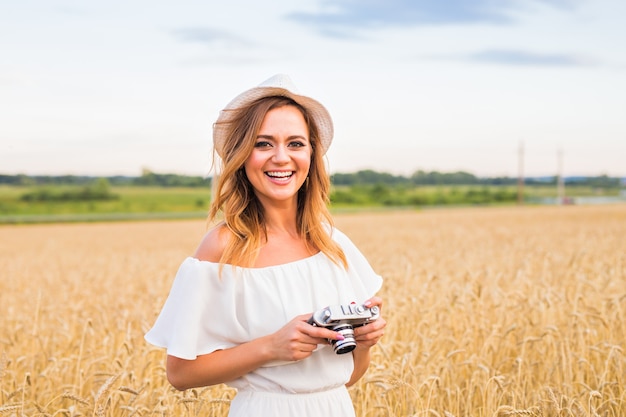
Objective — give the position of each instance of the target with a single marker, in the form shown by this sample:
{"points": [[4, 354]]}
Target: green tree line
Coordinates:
{"points": [[363, 177], [464, 178], [147, 178]]}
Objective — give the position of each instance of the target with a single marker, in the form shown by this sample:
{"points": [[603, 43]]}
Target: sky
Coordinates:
{"points": [[491, 87]]}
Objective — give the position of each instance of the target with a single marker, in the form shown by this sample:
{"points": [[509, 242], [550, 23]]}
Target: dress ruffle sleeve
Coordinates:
{"points": [[362, 274], [198, 317]]}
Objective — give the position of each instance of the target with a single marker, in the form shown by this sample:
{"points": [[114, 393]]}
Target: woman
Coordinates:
{"points": [[238, 309]]}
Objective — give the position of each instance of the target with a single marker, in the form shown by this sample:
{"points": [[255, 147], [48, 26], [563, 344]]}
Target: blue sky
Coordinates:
{"points": [[106, 88]]}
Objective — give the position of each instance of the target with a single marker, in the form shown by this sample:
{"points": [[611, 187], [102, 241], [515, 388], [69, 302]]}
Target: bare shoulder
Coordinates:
{"points": [[213, 244]]}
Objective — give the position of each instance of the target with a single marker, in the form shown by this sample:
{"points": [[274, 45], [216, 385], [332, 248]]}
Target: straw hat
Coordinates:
{"points": [[278, 85]]}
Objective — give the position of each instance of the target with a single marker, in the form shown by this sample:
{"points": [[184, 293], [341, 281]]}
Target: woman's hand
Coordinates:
{"points": [[368, 335], [298, 339]]}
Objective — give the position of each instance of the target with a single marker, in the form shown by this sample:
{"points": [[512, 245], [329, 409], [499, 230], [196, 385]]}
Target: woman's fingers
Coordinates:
{"points": [[374, 301]]}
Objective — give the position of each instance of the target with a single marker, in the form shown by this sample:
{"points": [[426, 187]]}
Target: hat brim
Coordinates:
{"points": [[318, 113]]}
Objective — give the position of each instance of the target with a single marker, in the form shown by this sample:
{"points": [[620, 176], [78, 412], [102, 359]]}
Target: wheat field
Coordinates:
{"points": [[491, 312]]}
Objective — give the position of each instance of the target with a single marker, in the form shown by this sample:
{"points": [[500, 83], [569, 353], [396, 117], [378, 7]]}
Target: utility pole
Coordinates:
{"points": [[560, 184], [520, 174]]}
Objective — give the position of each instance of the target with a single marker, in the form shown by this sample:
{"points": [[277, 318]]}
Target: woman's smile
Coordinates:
{"points": [[280, 176]]}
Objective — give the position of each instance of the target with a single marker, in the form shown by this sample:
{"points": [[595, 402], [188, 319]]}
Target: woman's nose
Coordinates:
{"points": [[281, 154]]}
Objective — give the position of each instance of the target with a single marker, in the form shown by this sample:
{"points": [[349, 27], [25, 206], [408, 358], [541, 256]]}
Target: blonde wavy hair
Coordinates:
{"points": [[243, 213]]}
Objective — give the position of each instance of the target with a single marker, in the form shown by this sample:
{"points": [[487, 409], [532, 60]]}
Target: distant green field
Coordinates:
{"points": [[28, 204], [128, 202]]}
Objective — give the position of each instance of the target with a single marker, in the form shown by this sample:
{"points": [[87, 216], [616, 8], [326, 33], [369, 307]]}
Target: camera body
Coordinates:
{"points": [[343, 319]]}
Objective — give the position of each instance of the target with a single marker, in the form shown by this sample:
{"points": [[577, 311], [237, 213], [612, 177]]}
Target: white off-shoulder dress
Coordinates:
{"points": [[205, 312]]}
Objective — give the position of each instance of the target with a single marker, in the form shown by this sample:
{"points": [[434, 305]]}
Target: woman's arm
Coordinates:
{"points": [[216, 367], [366, 337], [293, 342]]}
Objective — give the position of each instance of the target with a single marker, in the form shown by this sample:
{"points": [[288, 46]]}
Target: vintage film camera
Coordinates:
{"points": [[343, 319]]}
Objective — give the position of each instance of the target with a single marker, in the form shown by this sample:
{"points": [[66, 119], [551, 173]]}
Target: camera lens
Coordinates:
{"points": [[348, 343]]}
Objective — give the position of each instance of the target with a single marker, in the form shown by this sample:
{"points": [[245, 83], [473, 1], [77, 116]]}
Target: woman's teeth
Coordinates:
{"points": [[279, 174]]}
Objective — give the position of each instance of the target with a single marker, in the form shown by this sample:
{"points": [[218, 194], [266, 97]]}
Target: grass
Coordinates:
{"points": [[132, 203], [510, 311], [145, 203]]}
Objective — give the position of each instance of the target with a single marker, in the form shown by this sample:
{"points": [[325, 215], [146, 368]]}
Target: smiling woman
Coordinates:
{"points": [[276, 252]]}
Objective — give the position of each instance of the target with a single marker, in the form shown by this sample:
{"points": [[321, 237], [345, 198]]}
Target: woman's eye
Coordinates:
{"points": [[262, 144], [297, 144]]}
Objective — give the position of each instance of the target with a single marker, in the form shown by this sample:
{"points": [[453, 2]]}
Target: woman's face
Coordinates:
{"points": [[280, 160]]}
